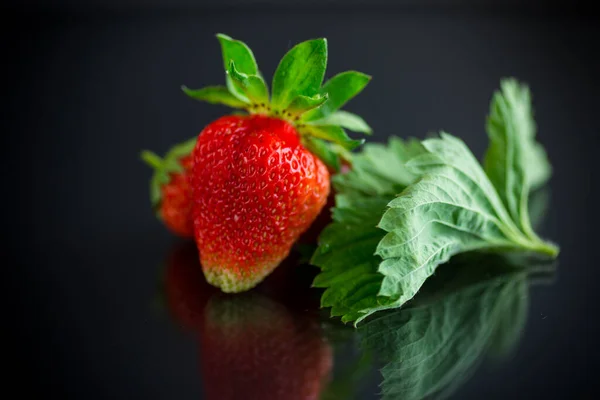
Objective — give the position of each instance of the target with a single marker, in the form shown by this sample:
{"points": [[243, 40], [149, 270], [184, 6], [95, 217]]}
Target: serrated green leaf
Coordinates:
{"points": [[333, 134], [431, 347], [323, 151], [346, 120], [300, 72], [347, 246], [252, 86], [215, 95], [380, 169], [345, 255], [301, 104], [452, 209], [514, 161], [341, 88]]}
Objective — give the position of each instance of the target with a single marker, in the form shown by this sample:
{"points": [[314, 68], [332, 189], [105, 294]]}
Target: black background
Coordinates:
{"points": [[86, 87]]}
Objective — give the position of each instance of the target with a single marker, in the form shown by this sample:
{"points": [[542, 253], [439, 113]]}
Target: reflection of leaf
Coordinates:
{"points": [[353, 366], [430, 347], [348, 378], [511, 320]]}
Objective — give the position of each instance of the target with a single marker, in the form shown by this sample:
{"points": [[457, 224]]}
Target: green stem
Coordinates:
{"points": [[543, 248]]}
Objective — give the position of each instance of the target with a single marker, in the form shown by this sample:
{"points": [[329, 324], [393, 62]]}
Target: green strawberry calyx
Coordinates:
{"points": [[298, 94], [165, 167]]}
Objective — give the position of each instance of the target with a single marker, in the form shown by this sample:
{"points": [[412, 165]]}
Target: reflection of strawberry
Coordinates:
{"points": [[185, 287], [253, 348], [264, 344], [170, 192]]}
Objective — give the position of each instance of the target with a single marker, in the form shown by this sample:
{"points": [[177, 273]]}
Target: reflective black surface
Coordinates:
{"points": [[90, 298], [273, 342]]}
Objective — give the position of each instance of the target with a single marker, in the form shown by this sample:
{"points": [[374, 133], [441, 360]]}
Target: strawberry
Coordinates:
{"points": [[170, 192], [263, 344], [259, 180], [265, 190]]}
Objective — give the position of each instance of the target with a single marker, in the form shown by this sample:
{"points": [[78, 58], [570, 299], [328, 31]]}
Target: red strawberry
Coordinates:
{"points": [[258, 181], [170, 192], [256, 189]]}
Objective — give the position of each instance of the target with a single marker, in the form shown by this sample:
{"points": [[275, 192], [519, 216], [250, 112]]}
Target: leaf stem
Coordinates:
{"points": [[545, 248]]}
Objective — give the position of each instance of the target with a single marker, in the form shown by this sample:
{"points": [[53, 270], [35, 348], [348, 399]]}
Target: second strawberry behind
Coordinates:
{"points": [[259, 180]]}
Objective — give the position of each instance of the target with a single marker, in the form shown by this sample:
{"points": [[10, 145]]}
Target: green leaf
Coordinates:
{"points": [[252, 86], [380, 169], [345, 256], [470, 307], [452, 209], [538, 167], [346, 120], [238, 52], [333, 134], [370, 264], [300, 72], [236, 91], [323, 151], [347, 246], [215, 95], [514, 161], [301, 104], [341, 88]]}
